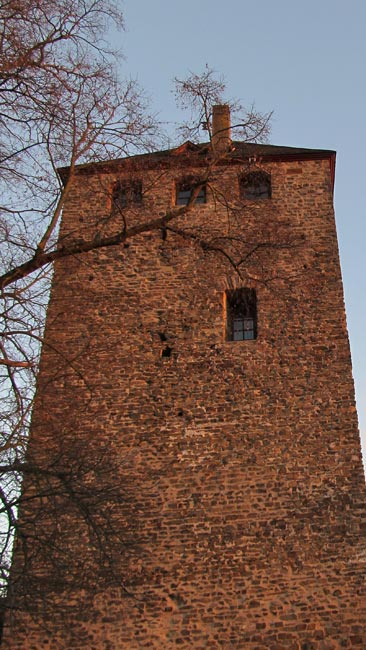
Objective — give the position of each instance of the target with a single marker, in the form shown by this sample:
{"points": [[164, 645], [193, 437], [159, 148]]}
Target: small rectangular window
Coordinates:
{"points": [[184, 190], [241, 314], [126, 194]]}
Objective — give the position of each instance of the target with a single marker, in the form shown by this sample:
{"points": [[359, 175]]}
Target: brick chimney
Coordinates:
{"points": [[221, 140]]}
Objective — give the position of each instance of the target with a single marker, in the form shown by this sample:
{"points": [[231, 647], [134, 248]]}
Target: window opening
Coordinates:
{"points": [[184, 190], [255, 185], [126, 194], [241, 314]]}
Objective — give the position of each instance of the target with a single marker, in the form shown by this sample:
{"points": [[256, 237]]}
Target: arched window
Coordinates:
{"points": [[255, 186], [241, 314]]}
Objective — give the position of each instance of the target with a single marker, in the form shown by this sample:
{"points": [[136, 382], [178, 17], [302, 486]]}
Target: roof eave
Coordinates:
{"points": [[198, 156]]}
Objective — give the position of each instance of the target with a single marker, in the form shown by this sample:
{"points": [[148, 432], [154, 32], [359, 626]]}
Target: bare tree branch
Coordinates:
{"points": [[62, 103]]}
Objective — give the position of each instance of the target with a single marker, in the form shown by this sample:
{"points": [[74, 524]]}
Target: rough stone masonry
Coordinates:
{"points": [[212, 441]]}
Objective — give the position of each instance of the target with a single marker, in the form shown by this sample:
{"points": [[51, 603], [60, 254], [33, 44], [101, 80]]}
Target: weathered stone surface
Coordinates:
{"points": [[245, 518]]}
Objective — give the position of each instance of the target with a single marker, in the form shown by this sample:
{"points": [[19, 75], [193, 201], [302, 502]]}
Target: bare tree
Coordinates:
{"points": [[62, 104], [198, 93]]}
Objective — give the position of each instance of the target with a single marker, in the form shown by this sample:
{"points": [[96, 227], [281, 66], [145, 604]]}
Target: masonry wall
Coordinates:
{"points": [[234, 468]]}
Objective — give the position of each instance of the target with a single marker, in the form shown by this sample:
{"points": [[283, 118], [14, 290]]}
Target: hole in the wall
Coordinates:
{"points": [[162, 336], [166, 352], [180, 413]]}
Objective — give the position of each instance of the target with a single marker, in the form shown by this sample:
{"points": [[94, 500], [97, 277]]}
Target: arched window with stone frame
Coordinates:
{"points": [[255, 185]]}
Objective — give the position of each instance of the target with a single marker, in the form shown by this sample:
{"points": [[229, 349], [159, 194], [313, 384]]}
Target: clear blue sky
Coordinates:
{"points": [[304, 60]]}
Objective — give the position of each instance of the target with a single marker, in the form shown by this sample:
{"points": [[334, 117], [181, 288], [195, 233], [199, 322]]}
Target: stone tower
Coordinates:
{"points": [[200, 481]]}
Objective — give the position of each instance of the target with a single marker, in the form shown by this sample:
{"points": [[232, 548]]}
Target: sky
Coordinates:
{"points": [[304, 61]]}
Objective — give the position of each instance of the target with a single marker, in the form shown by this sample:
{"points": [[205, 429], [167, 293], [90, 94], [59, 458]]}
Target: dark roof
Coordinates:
{"points": [[247, 150], [197, 154]]}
